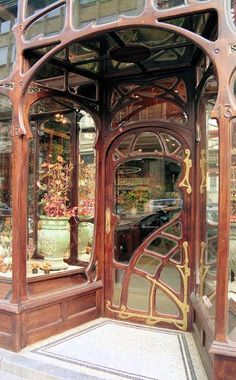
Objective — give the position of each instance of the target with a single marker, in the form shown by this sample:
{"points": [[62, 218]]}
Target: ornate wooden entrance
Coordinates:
{"points": [[147, 235]]}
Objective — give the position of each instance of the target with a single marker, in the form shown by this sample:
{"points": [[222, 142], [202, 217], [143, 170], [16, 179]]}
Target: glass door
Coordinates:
{"points": [[147, 224]]}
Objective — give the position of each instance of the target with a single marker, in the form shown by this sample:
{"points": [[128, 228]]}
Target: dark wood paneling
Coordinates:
{"points": [[60, 326], [78, 304], [5, 323], [224, 368], [54, 284], [6, 341], [43, 316]]}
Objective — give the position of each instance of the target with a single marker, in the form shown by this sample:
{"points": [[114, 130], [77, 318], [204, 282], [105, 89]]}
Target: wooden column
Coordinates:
{"points": [[19, 215], [221, 318], [74, 142]]}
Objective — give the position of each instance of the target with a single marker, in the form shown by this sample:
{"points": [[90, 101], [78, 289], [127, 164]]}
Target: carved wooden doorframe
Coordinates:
{"points": [[126, 148]]}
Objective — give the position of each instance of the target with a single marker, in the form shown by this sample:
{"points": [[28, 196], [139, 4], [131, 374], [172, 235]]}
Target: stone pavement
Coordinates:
{"points": [[107, 350]]}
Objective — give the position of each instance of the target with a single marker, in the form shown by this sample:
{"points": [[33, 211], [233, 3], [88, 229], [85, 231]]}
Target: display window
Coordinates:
{"points": [[5, 197], [62, 174]]}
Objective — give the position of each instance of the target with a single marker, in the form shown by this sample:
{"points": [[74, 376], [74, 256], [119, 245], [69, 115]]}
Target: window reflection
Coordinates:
{"points": [[146, 199], [232, 253], [5, 188], [34, 5], [209, 188], [87, 11], [47, 25], [8, 14], [164, 4], [87, 183], [61, 186], [233, 11]]}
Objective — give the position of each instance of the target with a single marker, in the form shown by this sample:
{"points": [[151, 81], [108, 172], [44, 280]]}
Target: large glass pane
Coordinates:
{"points": [[233, 11], [164, 4], [102, 12], [61, 186], [34, 5], [86, 185], [209, 189], [197, 23], [8, 15], [145, 199], [47, 25], [232, 255], [49, 192], [5, 197]]}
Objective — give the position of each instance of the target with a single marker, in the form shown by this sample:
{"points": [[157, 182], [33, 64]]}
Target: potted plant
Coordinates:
{"points": [[133, 201], [54, 232]]}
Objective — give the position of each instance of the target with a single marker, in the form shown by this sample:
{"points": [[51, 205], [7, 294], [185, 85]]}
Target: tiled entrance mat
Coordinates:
{"points": [[128, 350]]}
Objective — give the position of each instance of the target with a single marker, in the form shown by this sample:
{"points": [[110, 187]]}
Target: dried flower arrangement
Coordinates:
{"points": [[54, 184]]}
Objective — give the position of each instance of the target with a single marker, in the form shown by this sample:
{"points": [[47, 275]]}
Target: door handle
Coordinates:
{"points": [[108, 221]]}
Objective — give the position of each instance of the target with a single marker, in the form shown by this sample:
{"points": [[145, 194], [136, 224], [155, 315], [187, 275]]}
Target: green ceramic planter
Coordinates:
{"points": [[54, 240], [85, 236]]}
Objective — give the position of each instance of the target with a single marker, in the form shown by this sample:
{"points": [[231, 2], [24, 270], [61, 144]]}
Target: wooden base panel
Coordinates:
{"points": [[203, 333], [224, 368], [48, 314]]}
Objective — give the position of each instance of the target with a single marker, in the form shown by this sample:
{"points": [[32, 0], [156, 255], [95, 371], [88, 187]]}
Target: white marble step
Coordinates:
{"points": [[17, 366], [9, 376]]}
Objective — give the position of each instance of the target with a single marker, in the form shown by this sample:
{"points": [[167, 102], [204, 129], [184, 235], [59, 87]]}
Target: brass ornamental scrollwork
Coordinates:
{"points": [[108, 221], [203, 268], [151, 319], [203, 171], [188, 164]]}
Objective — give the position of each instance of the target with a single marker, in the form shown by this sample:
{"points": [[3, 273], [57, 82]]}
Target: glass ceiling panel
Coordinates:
{"points": [[50, 24], [133, 50], [233, 11], [8, 14], [103, 11], [164, 4], [203, 24], [33, 6], [53, 105]]}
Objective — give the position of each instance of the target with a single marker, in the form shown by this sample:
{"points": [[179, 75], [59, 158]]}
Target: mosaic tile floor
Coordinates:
{"points": [[110, 349]]}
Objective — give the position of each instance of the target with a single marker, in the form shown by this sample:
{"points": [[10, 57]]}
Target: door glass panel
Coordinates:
{"points": [[115, 156], [124, 146], [145, 199], [174, 230], [147, 143], [176, 257], [138, 293], [171, 277], [162, 246], [171, 143], [118, 278], [148, 228], [164, 304], [148, 264], [180, 154]]}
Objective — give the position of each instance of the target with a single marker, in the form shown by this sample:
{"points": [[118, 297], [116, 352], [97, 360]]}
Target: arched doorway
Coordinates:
{"points": [[148, 222]]}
